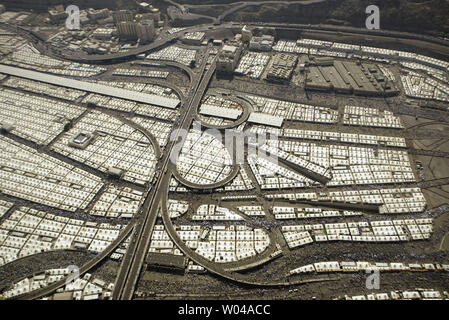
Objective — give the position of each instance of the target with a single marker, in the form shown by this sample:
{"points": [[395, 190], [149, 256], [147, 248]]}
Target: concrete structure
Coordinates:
{"points": [[263, 43], [247, 35], [265, 119], [98, 14], [282, 67], [145, 31], [169, 262], [228, 58], [6, 126], [127, 30], [123, 15], [57, 14], [149, 12], [227, 113], [328, 74], [92, 87], [103, 34], [81, 140]]}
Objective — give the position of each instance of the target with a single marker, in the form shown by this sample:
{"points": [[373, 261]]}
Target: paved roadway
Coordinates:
{"points": [[220, 269], [134, 258], [118, 57]]}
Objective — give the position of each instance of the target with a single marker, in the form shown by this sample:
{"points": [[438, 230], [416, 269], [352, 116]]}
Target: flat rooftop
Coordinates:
{"points": [[227, 113], [157, 259], [91, 87], [266, 119]]}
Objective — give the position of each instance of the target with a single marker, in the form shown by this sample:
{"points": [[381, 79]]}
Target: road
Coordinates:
{"points": [[143, 226], [134, 258], [245, 5]]}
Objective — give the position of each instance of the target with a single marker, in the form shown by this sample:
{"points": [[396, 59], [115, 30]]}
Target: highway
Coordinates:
{"points": [[171, 38], [143, 225], [138, 249]]}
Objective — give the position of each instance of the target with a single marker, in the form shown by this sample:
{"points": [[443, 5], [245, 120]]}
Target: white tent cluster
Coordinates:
{"points": [[116, 145], [28, 174], [294, 111], [204, 159], [174, 53], [327, 136], [364, 266], [418, 294], [28, 231], [371, 117], [115, 202], [391, 200], [86, 288], [4, 207], [215, 213], [285, 213], [177, 208], [363, 231], [29, 57], [35, 118], [219, 243]]}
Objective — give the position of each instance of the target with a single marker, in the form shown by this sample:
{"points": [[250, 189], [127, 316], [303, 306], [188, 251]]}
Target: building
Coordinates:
{"points": [[57, 14], [282, 67], [194, 38], [81, 140], [145, 31], [108, 20], [247, 34], [97, 14], [262, 43], [266, 119], [103, 34], [166, 261], [127, 30], [149, 12], [154, 14], [149, 16], [229, 58], [144, 6], [84, 18], [123, 15]]}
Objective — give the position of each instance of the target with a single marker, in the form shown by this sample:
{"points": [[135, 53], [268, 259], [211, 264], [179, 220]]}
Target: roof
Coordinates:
{"points": [[266, 119], [166, 260], [228, 48], [91, 87], [227, 113]]}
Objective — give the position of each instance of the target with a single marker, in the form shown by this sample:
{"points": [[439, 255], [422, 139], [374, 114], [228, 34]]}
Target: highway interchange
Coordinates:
{"points": [[141, 227]]}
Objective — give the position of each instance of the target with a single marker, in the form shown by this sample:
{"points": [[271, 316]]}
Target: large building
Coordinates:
{"points": [[229, 58], [97, 14], [57, 14], [127, 30], [145, 31], [149, 12], [282, 67], [247, 34], [123, 15], [262, 43], [167, 262]]}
